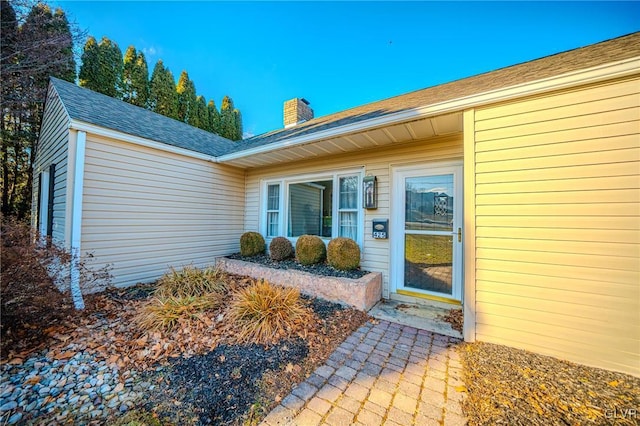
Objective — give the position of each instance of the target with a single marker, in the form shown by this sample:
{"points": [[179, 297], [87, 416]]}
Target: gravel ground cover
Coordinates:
{"points": [[516, 387], [318, 268]]}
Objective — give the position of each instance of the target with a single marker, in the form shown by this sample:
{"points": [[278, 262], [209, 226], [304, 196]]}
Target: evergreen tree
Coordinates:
{"points": [[214, 117], [238, 124], [89, 75], [228, 126], [201, 114], [140, 80], [30, 52], [135, 78], [102, 66], [163, 98], [186, 99]]}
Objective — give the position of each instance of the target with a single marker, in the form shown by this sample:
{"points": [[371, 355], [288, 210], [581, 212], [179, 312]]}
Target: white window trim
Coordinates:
{"points": [[43, 208], [284, 183]]}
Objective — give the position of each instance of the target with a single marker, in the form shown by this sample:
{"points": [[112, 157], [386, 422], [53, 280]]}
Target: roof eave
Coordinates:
{"points": [[125, 137], [607, 71]]}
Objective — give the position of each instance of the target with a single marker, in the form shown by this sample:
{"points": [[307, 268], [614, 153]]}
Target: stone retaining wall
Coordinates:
{"points": [[362, 293]]}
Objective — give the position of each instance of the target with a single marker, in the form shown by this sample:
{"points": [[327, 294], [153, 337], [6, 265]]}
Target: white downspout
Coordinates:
{"points": [[76, 219]]}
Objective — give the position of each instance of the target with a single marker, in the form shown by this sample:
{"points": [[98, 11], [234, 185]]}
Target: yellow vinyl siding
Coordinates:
{"points": [[53, 149], [376, 162], [145, 210], [557, 203]]}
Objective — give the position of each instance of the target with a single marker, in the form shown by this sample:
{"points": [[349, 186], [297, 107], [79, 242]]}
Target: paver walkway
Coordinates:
{"points": [[383, 374]]}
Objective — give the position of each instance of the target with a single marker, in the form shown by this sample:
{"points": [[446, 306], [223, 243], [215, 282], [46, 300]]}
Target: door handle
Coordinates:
{"points": [[459, 235]]}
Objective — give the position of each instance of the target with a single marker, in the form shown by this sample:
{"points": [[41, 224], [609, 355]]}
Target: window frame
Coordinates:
{"points": [[283, 204]]}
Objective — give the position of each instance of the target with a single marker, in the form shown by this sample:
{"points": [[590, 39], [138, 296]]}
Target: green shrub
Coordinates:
{"points": [[310, 249], [263, 313], [280, 249], [343, 253], [251, 244]]}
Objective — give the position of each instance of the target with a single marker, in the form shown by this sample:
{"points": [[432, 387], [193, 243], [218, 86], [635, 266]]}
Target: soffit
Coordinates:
{"points": [[361, 140]]}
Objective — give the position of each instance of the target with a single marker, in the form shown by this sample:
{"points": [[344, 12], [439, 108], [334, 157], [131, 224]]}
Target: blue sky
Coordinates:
{"points": [[339, 55]]}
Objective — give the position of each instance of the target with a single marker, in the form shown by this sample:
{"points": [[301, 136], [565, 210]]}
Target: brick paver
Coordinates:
{"points": [[383, 374]]}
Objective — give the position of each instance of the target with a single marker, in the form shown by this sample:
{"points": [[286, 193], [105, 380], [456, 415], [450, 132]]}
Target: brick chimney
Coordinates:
{"points": [[296, 111]]}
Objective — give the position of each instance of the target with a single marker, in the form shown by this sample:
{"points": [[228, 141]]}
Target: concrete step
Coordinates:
{"points": [[423, 315]]}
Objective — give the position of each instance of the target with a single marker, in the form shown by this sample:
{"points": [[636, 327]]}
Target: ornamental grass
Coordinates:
{"points": [[183, 295], [264, 314]]}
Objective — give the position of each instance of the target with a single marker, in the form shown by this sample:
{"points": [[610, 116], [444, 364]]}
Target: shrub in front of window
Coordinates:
{"points": [[280, 249], [343, 253], [310, 249], [252, 244]]}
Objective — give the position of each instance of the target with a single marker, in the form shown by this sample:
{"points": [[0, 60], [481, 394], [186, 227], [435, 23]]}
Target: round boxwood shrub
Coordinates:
{"points": [[280, 248], [310, 249], [251, 244], [343, 253]]}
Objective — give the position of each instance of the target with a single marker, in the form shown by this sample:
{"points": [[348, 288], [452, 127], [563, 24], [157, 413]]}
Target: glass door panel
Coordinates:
{"points": [[429, 233]]}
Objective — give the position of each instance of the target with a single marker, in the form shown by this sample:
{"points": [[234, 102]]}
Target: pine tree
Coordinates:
{"points": [[90, 69], [163, 98], [201, 114], [140, 80], [135, 78], [128, 93], [102, 66], [214, 117], [30, 52], [112, 65], [238, 124], [186, 98], [229, 124]]}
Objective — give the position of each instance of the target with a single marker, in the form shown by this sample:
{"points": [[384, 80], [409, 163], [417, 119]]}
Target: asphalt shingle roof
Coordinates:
{"points": [[101, 110], [91, 107], [616, 49]]}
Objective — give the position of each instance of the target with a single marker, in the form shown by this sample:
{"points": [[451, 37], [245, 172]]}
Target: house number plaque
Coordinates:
{"points": [[380, 229]]}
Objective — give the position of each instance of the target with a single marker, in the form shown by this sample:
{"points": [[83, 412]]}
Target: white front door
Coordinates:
{"points": [[426, 234]]}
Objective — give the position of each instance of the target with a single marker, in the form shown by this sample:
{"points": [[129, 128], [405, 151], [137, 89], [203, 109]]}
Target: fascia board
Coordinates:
{"points": [[125, 137]]}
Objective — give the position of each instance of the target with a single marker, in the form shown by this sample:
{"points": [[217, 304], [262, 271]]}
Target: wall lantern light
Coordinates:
{"points": [[370, 192]]}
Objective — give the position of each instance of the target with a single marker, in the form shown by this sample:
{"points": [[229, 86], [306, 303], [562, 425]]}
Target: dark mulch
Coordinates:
{"points": [[517, 387], [239, 384], [323, 308], [218, 387], [317, 269]]}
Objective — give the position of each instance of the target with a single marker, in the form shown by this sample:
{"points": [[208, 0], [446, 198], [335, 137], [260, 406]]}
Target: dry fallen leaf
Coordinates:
{"points": [[32, 380]]}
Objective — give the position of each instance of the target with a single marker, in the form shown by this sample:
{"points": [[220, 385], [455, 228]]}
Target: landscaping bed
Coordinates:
{"points": [[196, 373], [356, 288]]}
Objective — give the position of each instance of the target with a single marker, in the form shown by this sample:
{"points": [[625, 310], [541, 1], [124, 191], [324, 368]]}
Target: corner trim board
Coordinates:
{"points": [[76, 219], [469, 226]]}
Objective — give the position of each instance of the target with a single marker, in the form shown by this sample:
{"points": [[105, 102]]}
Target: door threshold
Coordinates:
{"points": [[424, 315], [424, 299]]}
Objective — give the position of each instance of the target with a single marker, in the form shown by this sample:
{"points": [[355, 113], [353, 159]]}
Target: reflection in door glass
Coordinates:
{"points": [[429, 203], [428, 262]]}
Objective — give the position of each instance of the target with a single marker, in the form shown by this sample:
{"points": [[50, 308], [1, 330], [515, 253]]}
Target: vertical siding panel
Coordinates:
{"points": [[376, 162], [146, 210], [557, 179]]}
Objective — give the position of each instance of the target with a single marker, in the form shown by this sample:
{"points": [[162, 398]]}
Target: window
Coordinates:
{"points": [[295, 207], [273, 210], [348, 207]]}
